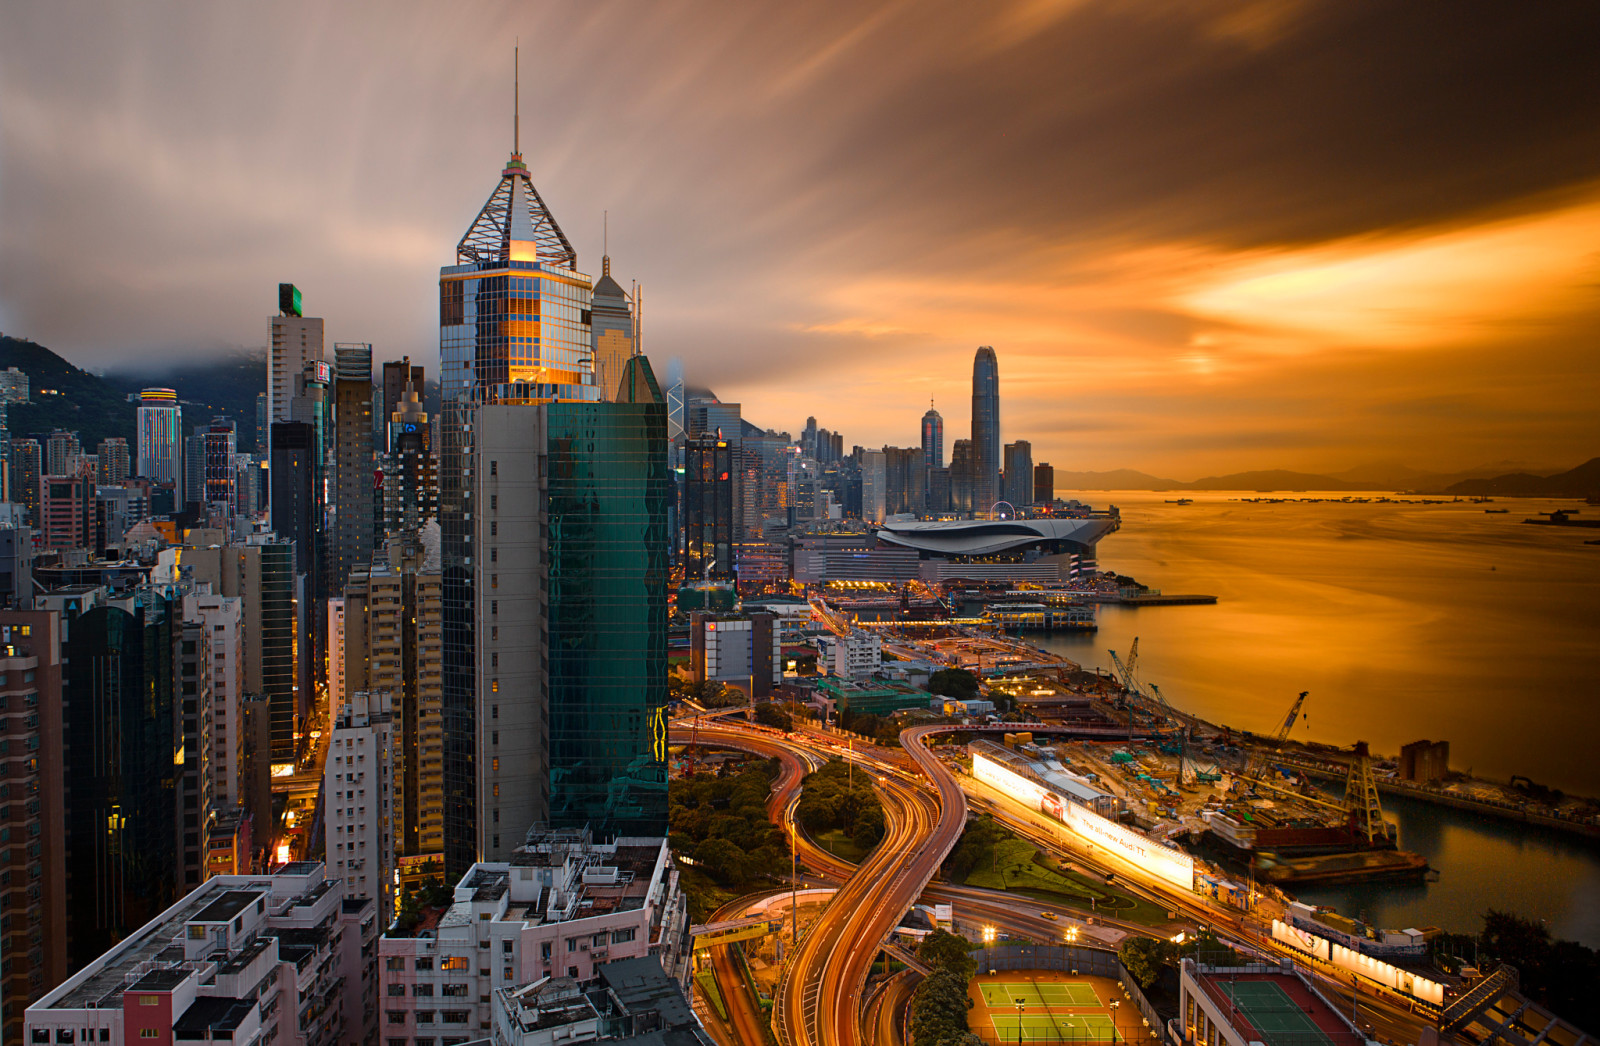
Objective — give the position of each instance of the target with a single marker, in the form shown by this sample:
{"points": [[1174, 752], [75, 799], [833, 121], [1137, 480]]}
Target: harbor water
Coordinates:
{"points": [[1405, 622]]}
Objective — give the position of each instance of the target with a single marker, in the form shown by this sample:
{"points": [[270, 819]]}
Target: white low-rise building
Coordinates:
{"points": [[278, 959], [858, 655], [562, 906]]}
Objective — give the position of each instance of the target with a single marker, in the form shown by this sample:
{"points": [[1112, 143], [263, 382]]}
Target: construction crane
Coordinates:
{"points": [[1255, 768], [1125, 669]]}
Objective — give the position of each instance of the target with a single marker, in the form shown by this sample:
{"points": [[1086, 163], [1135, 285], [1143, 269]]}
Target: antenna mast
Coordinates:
{"points": [[516, 101]]}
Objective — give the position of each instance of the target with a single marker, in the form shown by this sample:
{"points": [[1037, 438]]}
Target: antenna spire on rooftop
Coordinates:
{"points": [[516, 97], [605, 243]]}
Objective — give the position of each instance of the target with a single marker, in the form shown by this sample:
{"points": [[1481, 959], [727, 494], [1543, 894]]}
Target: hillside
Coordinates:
{"points": [[1116, 479], [97, 407], [1277, 479], [87, 404], [1573, 483], [226, 386]]}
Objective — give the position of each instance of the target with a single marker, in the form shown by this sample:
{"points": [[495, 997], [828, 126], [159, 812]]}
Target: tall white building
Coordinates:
{"points": [[296, 341], [223, 620], [858, 655], [358, 798]]}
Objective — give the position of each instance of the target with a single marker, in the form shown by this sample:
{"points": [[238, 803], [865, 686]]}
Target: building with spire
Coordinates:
{"points": [[985, 431], [613, 331], [552, 557]]}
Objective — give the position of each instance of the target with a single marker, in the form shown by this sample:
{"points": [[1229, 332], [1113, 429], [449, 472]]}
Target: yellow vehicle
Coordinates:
{"points": [[1052, 916]]}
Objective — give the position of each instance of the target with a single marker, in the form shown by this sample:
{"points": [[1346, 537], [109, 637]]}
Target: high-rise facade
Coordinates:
{"points": [[392, 647], [358, 795], [124, 736], [218, 445], [296, 340], [26, 468], [353, 462], [160, 437], [961, 473], [985, 431], [933, 439], [62, 453], [111, 462], [33, 899], [1044, 483], [1017, 488], [410, 473], [709, 523], [397, 374]]}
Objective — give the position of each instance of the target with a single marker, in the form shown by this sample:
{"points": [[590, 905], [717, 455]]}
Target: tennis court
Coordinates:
{"points": [[1039, 995], [1274, 1014], [1091, 1028]]}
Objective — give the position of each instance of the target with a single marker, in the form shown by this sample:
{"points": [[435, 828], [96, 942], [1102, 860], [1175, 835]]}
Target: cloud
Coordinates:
{"points": [[1196, 233]]}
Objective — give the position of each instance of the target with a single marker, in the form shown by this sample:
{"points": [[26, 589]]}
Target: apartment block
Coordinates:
{"points": [[562, 906], [358, 798], [254, 960]]}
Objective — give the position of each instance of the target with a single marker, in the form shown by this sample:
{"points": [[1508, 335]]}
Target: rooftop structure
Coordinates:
{"points": [[1047, 549], [560, 907], [1274, 1005], [246, 958]]}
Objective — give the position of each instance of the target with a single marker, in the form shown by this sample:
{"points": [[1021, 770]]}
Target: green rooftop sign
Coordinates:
{"points": [[289, 299]]}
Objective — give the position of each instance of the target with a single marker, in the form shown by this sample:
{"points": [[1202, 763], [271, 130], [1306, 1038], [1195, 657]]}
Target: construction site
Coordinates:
{"points": [[1185, 781]]}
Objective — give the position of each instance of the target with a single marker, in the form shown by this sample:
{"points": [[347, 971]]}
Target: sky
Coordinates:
{"points": [[1201, 237]]}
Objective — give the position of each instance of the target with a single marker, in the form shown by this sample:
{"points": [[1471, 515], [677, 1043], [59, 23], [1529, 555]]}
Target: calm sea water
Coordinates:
{"points": [[1404, 622]]}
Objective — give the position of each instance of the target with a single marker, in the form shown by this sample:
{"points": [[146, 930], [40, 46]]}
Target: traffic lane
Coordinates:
{"points": [[743, 1015]]}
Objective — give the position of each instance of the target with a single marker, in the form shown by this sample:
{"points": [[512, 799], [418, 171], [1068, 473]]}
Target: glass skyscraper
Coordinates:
{"points": [[985, 431], [553, 513], [609, 493]]}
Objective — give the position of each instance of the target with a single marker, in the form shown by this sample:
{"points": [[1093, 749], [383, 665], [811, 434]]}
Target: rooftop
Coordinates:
{"points": [[1274, 1008], [212, 1013], [231, 903]]}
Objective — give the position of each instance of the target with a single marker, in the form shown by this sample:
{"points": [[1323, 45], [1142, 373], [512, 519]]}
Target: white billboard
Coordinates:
{"points": [[1387, 974], [1159, 860]]}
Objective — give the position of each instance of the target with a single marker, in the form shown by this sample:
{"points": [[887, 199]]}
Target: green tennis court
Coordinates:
{"points": [[1091, 1028], [1038, 995], [1274, 1014]]}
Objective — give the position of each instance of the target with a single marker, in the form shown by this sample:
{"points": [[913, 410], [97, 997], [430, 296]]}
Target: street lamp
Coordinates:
{"points": [[1020, 1008], [1115, 1005]]}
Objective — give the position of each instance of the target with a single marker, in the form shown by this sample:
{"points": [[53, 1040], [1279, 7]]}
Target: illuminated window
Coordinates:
{"points": [[454, 962], [496, 764]]}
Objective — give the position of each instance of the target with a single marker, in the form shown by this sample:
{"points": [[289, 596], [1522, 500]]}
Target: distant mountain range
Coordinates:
{"points": [[1500, 478]]}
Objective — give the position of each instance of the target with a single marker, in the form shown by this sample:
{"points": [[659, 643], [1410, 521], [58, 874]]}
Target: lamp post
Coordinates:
{"points": [[1115, 1005], [1020, 1008]]}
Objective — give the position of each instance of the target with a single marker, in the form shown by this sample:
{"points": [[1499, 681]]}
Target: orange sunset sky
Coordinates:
{"points": [[1202, 237]]}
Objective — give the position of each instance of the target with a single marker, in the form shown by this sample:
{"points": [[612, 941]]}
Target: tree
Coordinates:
{"points": [[948, 951], [954, 682], [939, 1011], [1144, 957], [769, 714], [1563, 975]]}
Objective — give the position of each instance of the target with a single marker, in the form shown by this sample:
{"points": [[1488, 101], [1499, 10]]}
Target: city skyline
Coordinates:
{"points": [[1286, 271]]}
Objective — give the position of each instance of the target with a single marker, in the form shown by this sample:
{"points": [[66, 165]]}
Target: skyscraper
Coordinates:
{"points": [[296, 340], [513, 335], [397, 374], [353, 462], [410, 471], [612, 332], [26, 465], [62, 452], [961, 469], [933, 439], [1019, 474], [1044, 483], [708, 509], [160, 438], [218, 444], [985, 431]]}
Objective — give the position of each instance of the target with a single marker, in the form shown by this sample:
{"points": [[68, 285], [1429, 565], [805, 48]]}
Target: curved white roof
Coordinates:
{"points": [[984, 537]]}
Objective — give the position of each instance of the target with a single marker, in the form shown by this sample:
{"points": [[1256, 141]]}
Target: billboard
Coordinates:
{"points": [[289, 299], [1159, 860], [1373, 969]]}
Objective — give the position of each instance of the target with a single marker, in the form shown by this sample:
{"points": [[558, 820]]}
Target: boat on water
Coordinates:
{"points": [[1180, 501], [1496, 511]]}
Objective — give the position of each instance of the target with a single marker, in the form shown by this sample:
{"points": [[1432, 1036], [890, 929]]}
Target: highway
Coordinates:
{"points": [[820, 1002]]}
